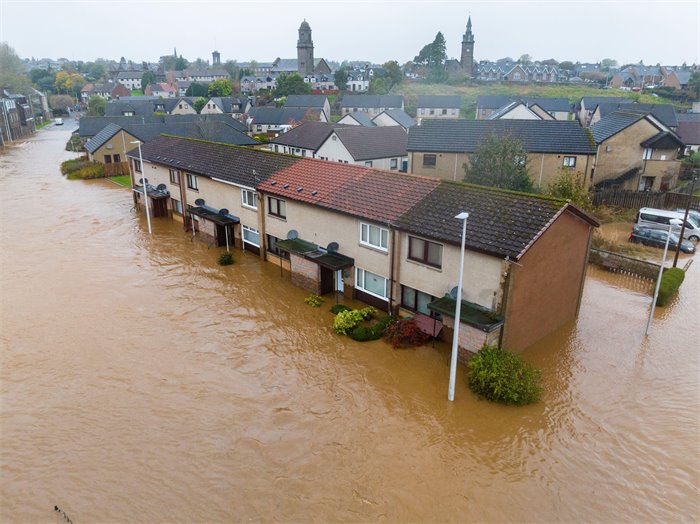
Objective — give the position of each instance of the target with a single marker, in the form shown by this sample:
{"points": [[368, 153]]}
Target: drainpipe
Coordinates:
{"points": [[539, 183], [392, 260], [583, 273], [507, 285]]}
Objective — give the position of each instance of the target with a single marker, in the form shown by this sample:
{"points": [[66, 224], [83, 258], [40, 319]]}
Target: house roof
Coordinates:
{"points": [[591, 102], [280, 115], [664, 113], [372, 101], [285, 64], [369, 143], [614, 123], [536, 136], [439, 102], [399, 116], [102, 137], [306, 101], [227, 104], [663, 140], [309, 135], [129, 74], [549, 104], [682, 75], [90, 126], [501, 223], [689, 132], [508, 108], [361, 118]]}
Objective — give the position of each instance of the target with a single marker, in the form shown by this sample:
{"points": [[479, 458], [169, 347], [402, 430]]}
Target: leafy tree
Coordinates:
{"points": [[68, 83], [96, 106], [61, 103], [220, 88], [181, 63], [566, 66], [231, 67], [341, 79], [607, 63], [499, 162], [434, 54], [549, 62], [199, 103], [147, 79], [197, 89], [694, 84], [12, 71], [525, 59], [393, 71], [571, 185], [96, 71], [437, 75], [379, 85], [291, 85]]}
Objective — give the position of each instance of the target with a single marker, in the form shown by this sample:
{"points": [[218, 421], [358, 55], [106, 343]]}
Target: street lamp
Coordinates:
{"points": [[685, 219], [673, 222], [145, 187], [458, 309]]}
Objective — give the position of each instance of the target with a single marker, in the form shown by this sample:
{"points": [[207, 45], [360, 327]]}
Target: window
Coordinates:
{"points": [[368, 163], [137, 165], [277, 148], [394, 163], [192, 182], [417, 301], [177, 206], [569, 161], [272, 247], [374, 236], [276, 207], [175, 177], [647, 154], [108, 159], [249, 198], [424, 251], [432, 111], [371, 283], [429, 160], [259, 127], [444, 111], [251, 236], [117, 158]]}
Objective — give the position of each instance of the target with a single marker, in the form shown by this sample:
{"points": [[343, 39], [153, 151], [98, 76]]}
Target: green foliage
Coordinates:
{"points": [[499, 162], [694, 84], [571, 185], [147, 79], [197, 89], [314, 300], [379, 86], [75, 164], [199, 103], [374, 332], [74, 143], [220, 88], [341, 79], [291, 85], [68, 83], [337, 308], [404, 333], [96, 106], [86, 171], [500, 376], [346, 321], [671, 280], [61, 103], [12, 74], [433, 54], [393, 71], [122, 180], [225, 259]]}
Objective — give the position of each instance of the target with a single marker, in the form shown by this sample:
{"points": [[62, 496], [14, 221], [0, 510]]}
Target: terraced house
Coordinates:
{"points": [[386, 238]]}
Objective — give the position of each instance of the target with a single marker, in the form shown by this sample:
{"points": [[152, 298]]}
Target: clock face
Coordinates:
{"points": [[469, 49]]}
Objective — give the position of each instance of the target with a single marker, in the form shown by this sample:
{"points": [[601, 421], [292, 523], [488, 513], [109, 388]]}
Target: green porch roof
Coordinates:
{"points": [[471, 313], [310, 251]]}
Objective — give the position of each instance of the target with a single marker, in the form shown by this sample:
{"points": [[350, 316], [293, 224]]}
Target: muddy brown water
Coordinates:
{"points": [[141, 382]]}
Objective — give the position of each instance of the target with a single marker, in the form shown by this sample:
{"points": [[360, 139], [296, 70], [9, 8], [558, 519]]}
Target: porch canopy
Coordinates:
{"points": [[213, 215], [153, 192], [471, 313], [311, 251]]}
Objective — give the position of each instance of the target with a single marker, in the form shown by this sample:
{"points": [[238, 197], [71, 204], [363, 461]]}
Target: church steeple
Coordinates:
{"points": [[305, 50], [468, 50]]}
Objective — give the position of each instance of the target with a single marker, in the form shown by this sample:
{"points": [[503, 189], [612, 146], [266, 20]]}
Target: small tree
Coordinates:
{"points": [[220, 88], [61, 103], [571, 185], [199, 103], [341, 79], [393, 71], [291, 85], [96, 106], [499, 162], [147, 79], [196, 89]]}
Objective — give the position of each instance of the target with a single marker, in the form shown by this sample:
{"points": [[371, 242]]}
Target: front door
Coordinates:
{"points": [[223, 236], [327, 280], [339, 285]]}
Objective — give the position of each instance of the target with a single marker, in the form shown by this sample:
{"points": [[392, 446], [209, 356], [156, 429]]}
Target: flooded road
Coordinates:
{"points": [[142, 382]]}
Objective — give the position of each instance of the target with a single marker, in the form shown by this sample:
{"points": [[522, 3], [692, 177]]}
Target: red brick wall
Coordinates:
{"points": [[305, 274]]}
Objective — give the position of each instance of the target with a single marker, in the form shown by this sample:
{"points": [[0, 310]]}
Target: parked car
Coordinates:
{"points": [[58, 121], [661, 218], [655, 237]]}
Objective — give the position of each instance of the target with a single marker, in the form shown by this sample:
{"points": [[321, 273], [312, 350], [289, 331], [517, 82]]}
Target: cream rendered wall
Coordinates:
{"points": [[334, 150], [218, 195], [348, 120], [186, 109], [520, 112], [210, 108], [482, 274], [384, 120]]}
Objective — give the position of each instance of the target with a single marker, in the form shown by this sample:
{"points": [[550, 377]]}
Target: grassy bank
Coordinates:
{"points": [[122, 180]]}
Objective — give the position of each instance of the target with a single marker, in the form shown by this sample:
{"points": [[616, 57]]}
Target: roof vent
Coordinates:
{"points": [[300, 189], [314, 193], [285, 186], [273, 183]]}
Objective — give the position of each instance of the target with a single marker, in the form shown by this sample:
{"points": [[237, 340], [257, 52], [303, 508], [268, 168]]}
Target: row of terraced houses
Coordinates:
{"points": [[386, 238]]}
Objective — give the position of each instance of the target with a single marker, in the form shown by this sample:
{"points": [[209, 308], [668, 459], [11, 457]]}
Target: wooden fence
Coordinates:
{"points": [[116, 169], [636, 199]]}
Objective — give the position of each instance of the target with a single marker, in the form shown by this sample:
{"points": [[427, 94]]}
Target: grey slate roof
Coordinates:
{"points": [[362, 118], [234, 164], [89, 126], [664, 113], [306, 101], [591, 102], [100, 138], [228, 104], [372, 101], [689, 131], [400, 116], [613, 124], [501, 223], [663, 140], [369, 143], [549, 104], [536, 136], [439, 101], [309, 135], [280, 115]]}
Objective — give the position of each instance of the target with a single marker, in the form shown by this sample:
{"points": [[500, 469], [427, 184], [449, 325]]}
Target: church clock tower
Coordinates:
{"points": [[305, 50], [468, 50]]}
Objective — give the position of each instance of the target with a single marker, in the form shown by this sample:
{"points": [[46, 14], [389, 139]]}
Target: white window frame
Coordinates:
{"points": [[365, 235], [646, 155], [248, 229], [192, 182], [569, 161], [360, 283], [245, 198]]}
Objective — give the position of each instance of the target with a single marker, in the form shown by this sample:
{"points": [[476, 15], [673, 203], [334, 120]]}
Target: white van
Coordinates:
{"points": [[660, 219]]}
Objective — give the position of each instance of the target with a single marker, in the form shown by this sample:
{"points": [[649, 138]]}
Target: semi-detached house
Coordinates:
{"points": [[386, 238]]}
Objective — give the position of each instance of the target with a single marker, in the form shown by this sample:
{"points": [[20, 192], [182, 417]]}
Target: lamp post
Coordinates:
{"points": [[674, 222], [458, 310], [685, 219], [145, 187]]}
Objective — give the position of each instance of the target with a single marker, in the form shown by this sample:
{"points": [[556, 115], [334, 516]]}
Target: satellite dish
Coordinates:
{"points": [[453, 292], [199, 202], [144, 181], [332, 247], [161, 187], [292, 234], [223, 211]]}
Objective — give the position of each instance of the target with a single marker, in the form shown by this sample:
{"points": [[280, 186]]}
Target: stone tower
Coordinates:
{"points": [[216, 58], [305, 50], [468, 50]]}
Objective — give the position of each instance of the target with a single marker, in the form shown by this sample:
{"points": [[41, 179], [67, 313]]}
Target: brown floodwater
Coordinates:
{"points": [[142, 382]]}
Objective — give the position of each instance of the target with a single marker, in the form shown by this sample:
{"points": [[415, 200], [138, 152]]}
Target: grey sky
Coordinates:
{"points": [[666, 32]]}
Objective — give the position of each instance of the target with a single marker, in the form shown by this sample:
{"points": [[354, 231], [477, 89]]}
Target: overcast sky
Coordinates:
{"points": [[666, 32]]}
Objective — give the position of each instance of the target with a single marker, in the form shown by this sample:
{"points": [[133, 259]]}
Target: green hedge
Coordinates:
{"points": [[87, 172], [500, 376], [671, 280], [374, 332], [225, 259], [69, 166]]}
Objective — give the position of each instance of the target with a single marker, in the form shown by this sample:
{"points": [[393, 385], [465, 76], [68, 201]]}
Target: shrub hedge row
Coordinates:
{"points": [[671, 280], [500, 376]]}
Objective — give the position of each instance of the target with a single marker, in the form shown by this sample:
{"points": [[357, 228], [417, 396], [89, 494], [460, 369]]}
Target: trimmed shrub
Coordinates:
{"points": [[314, 300], [75, 164], [90, 171], [404, 333], [346, 321], [362, 334], [337, 308], [500, 376], [225, 259], [671, 280]]}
